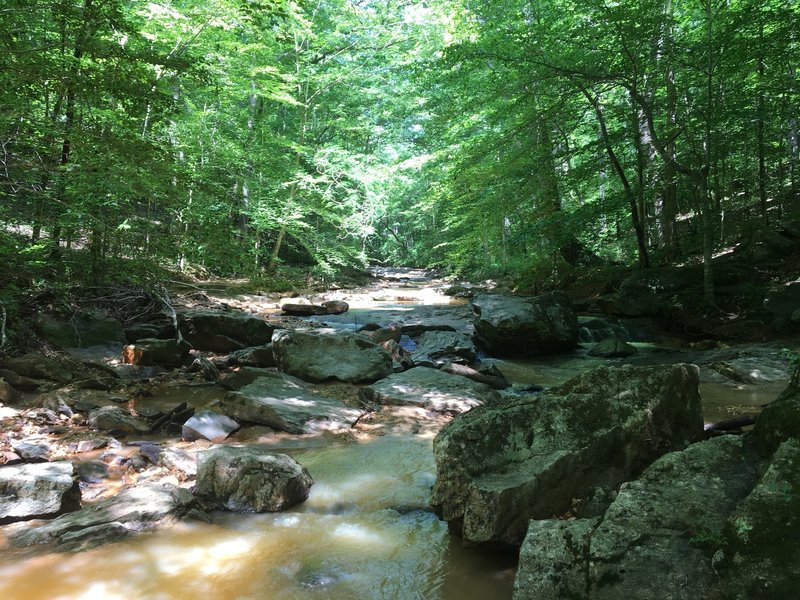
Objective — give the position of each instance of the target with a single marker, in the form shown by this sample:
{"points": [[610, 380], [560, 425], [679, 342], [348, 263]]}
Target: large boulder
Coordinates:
{"points": [[250, 479], [652, 292], [782, 305], [780, 420], [114, 418], [502, 464], [223, 331], [37, 366], [701, 523], [37, 490], [435, 348], [431, 389], [286, 403], [83, 329], [132, 510], [509, 325], [321, 354]]}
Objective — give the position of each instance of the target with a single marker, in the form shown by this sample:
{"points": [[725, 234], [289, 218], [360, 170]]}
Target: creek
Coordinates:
{"points": [[365, 532]]}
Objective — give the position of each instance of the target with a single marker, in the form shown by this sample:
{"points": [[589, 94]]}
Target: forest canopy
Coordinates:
{"points": [[524, 138]]}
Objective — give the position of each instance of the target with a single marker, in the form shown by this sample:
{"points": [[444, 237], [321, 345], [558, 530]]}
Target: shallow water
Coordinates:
{"points": [[364, 532]]}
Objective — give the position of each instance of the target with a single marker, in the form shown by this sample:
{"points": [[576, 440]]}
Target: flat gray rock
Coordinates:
{"points": [[38, 489], [286, 403], [431, 389], [135, 509], [208, 425], [321, 354]]}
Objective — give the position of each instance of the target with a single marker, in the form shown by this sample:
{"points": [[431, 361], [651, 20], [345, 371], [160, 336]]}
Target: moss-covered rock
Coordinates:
{"points": [[247, 479], [780, 420], [501, 465], [509, 325]]}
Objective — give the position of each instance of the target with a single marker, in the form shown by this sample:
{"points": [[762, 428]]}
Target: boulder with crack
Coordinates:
{"points": [[505, 463], [321, 354]]}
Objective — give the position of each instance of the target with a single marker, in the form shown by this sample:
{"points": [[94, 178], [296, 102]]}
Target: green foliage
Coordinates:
{"points": [[707, 539], [792, 357], [500, 138]]}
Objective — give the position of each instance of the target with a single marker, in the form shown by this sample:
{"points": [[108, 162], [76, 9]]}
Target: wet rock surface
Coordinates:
{"points": [[431, 389], [37, 489], [250, 479], [321, 354], [133, 510], [287, 404], [510, 325], [613, 347], [502, 464], [208, 425]]}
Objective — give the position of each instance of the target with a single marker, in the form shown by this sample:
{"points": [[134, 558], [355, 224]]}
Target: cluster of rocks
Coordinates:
{"points": [[610, 488], [595, 479], [426, 364], [240, 479]]}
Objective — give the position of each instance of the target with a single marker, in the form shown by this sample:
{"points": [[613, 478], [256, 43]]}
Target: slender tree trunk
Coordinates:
{"points": [[794, 133], [669, 192], [641, 245], [762, 146], [69, 123], [302, 93]]}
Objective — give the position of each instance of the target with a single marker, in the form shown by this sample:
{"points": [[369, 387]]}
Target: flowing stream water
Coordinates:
{"points": [[366, 530]]}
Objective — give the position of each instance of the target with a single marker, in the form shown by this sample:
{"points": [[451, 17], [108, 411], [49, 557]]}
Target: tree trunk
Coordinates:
{"points": [[762, 163], [669, 190], [641, 245]]}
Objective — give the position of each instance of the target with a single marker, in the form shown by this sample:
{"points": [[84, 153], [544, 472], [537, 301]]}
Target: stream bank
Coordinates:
{"points": [[366, 529]]}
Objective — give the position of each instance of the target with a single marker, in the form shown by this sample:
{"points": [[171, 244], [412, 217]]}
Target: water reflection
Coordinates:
{"points": [[365, 532]]}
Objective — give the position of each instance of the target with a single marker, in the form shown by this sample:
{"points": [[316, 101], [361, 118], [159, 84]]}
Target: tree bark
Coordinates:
{"points": [[641, 245]]}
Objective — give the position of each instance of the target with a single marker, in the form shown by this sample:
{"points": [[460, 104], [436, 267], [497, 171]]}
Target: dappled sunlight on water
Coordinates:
{"points": [[364, 532]]}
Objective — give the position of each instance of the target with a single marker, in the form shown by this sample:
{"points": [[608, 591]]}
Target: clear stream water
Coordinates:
{"points": [[364, 533]]}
